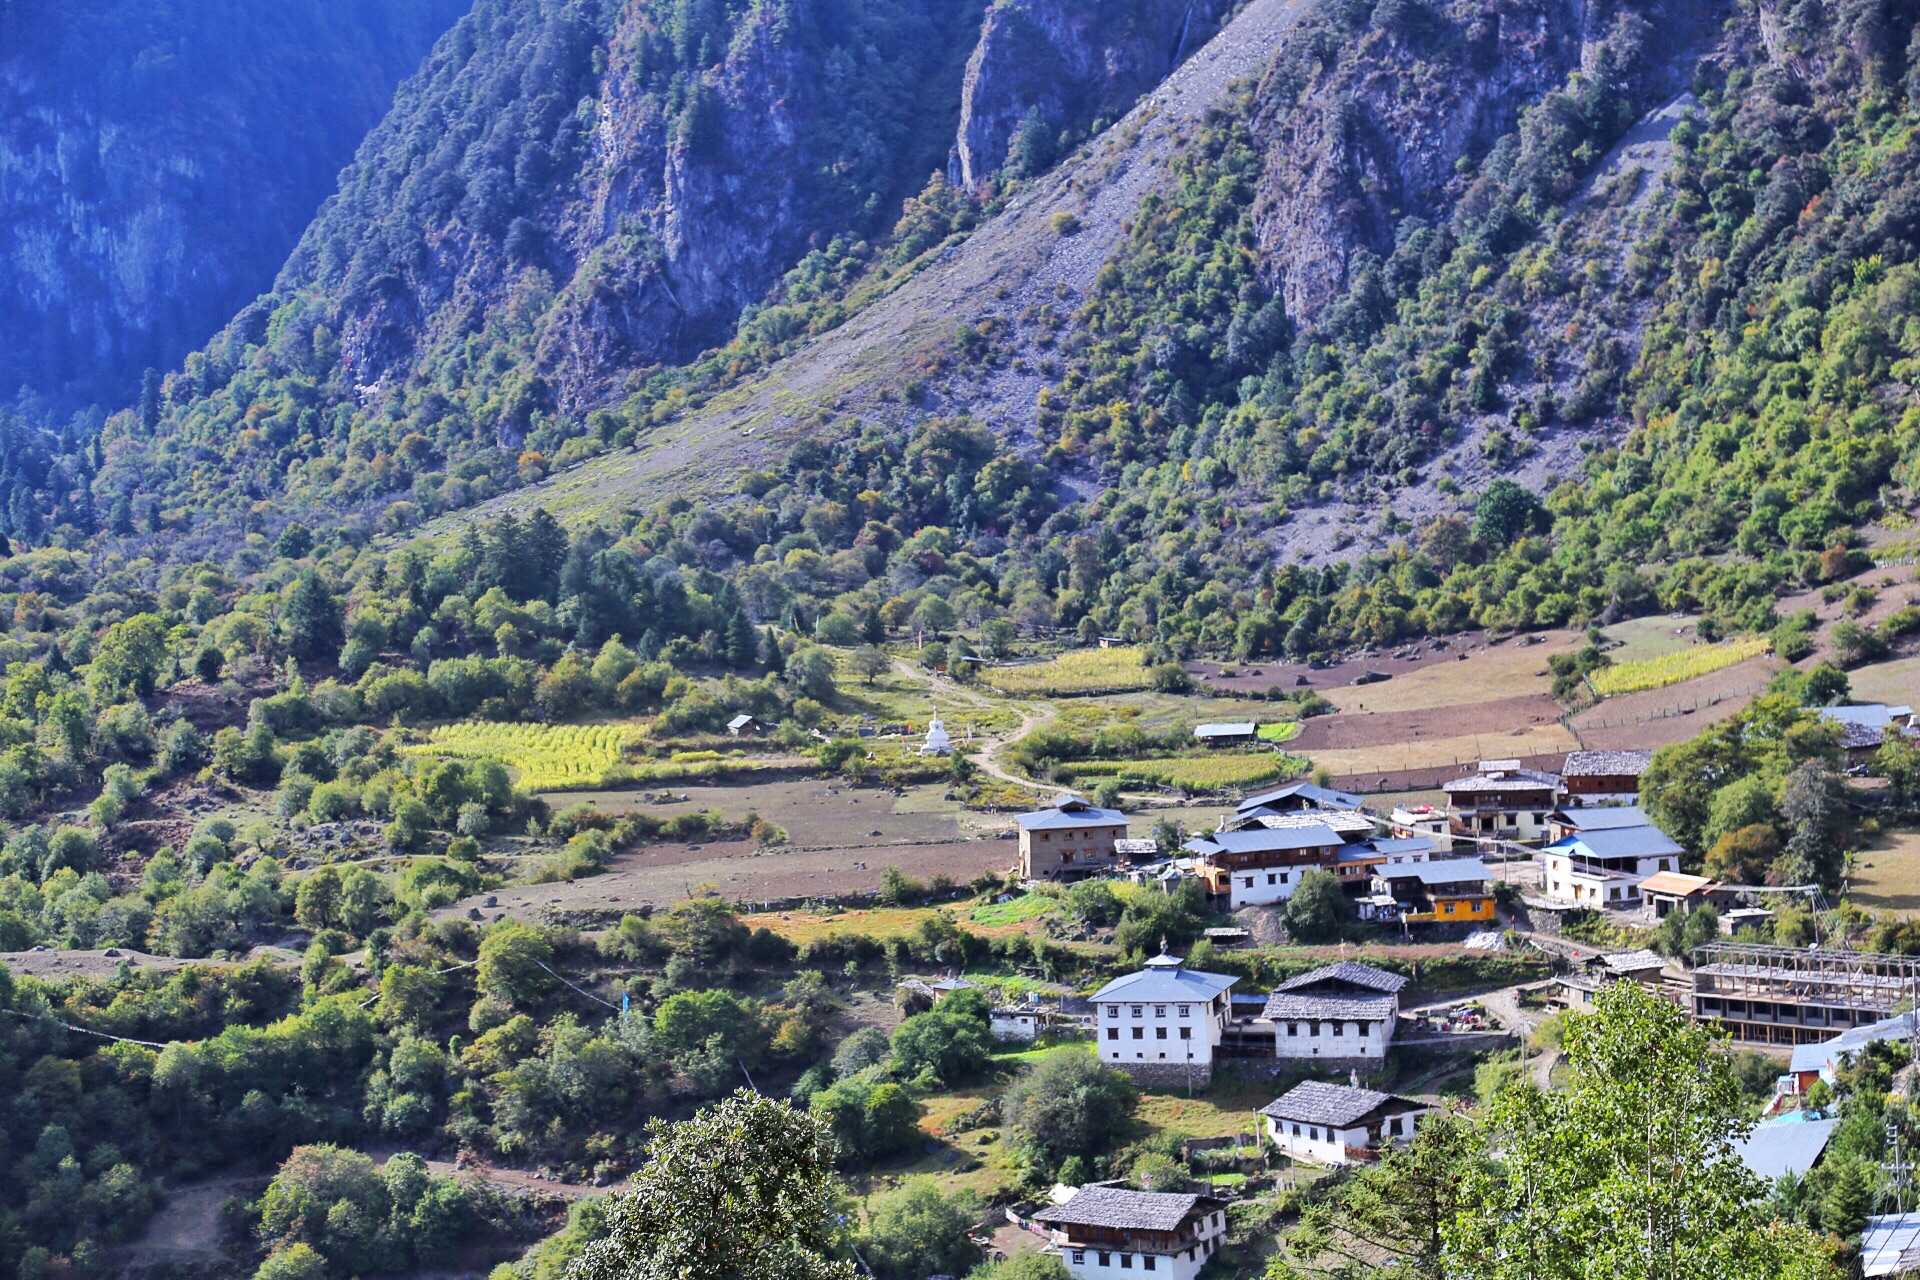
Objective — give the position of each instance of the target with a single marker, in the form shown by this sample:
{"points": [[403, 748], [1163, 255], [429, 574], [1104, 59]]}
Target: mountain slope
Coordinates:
{"points": [[158, 162]]}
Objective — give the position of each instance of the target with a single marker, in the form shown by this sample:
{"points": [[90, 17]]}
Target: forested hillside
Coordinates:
{"points": [[158, 162]]}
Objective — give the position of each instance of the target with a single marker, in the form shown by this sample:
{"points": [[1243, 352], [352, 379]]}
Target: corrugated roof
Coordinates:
{"points": [[1605, 764], [1505, 780], [1633, 961], [1232, 729], [1310, 791], [1266, 840], [1351, 972], [1818, 1057], [1773, 1150], [1445, 871], [1339, 1105], [1122, 1209], [1077, 814], [1166, 985], [1889, 1237], [1403, 844], [1603, 818], [1678, 883], [1621, 842], [1875, 715]]}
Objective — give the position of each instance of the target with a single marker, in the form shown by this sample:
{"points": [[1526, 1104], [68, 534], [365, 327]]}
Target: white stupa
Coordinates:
{"points": [[937, 743]]}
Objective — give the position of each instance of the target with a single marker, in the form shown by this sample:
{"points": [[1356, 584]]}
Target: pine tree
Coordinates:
{"points": [[741, 642]]}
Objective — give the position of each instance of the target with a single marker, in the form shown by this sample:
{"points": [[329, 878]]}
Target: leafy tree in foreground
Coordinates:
{"points": [[1317, 909], [1067, 1105], [745, 1188], [1629, 1174]]}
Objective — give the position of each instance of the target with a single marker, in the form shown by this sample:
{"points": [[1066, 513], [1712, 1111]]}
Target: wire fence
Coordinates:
{"points": [[1686, 708]]}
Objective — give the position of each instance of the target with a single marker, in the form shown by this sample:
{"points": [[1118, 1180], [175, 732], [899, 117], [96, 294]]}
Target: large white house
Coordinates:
{"points": [[1605, 867], [1335, 1124], [1102, 1233], [1263, 865], [1162, 1024], [1345, 1011]]}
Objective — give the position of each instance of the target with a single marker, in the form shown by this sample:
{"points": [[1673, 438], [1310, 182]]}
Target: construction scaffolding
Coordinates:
{"points": [[1795, 995]]}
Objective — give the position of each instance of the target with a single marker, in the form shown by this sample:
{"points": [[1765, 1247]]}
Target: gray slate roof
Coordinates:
{"points": [[1633, 961], [1445, 871], [1621, 842], [1605, 764], [1344, 821], [1505, 780], [1285, 1006], [1348, 971], [1785, 1146], [1121, 1208], [1310, 791], [1604, 818], [1339, 1105]]}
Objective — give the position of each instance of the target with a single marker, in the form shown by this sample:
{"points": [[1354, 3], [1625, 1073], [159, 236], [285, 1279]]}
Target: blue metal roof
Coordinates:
{"points": [[1056, 818], [1446, 871], [1818, 1057], [1165, 984], [1622, 842], [1604, 818], [1265, 840]]}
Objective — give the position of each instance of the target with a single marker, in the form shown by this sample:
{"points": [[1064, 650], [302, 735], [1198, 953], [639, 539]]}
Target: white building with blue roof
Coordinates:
{"points": [[1259, 866], [1162, 1024], [1603, 867]]}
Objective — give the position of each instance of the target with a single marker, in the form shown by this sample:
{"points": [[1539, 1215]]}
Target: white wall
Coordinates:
{"points": [[1154, 1033], [1175, 1266], [1324, 1145], [1269, 885], [1348, 1044]]}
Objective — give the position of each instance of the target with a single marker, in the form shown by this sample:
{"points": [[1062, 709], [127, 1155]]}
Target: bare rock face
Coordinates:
{"points": [[1066, 63], [1353, 149], [157, 162]]}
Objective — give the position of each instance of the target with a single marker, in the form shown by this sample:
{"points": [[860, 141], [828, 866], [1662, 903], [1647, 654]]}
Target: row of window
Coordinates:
{"points": [[1159, 1033], [1313, 1028], [1159, 1010]]}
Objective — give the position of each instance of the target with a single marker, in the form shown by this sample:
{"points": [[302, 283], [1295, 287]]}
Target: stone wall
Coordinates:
{"points": [[1168, 1075]]}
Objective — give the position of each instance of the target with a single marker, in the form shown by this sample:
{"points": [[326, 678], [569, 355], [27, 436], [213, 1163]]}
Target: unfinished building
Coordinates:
{"points": [[1794, 995]]}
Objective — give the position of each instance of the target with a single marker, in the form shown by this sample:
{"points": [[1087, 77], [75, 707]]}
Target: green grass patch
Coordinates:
{"points": [[1278, 731], [1028, 906]]}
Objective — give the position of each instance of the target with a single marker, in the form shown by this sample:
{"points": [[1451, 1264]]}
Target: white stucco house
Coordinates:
{"points": [[1340, 1013], [1104, 1233], [1162, 1024], [1337, 1124]]}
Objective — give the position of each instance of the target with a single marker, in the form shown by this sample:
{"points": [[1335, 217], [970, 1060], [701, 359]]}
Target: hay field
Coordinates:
{"points": [[1887, 874]]}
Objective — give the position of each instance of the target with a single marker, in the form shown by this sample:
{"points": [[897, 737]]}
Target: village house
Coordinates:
{"points": [[1069, 840], [1666, 892], [1262, 865], [1162, 1024], [1422, 822], [1020, 1023], [1604, 868], [1820, 1061], [1241, 733], [1503, 801], [1864, 726], [1337, 1124], [1448, 891], [1578, 988], [1341, 1013], [1350, 825], [742, 724], [1105, 1232], [1356, 863], [1603, 777], [1573, 820]]}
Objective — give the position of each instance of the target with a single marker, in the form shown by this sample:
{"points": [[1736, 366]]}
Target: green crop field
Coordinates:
{"points": [[1078, 671], [1196, 773], [545, 757], [1672, 668], [1278, 731]]}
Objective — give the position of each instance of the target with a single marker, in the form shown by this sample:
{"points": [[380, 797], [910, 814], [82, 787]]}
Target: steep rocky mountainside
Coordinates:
{"points": [[1043, 67], [158, 162]]}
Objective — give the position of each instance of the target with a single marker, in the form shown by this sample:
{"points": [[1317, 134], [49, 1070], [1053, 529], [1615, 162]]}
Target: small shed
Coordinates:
{"points": [[1235, 734], [742, 725]]}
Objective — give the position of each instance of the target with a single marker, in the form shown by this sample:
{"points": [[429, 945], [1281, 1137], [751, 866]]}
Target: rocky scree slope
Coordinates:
{"points": [[158, 162]]}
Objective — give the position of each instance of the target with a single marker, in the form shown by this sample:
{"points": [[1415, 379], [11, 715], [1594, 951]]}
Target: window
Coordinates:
{"points": [[1046, 838], [1113, 1011], [1293, 1028], [1159, 1011], [1079, 1255], [1313, 1132], [1159, 1033], [1296, 1131], [1184, 1010], [1664, 865], [1136, 1011], [1283, 877], [1186, 1033], [1126, 1262], [1139, 1033], [1337, 1027], [1113, 1033], [1146, 1261], [1106, 1259], [1272, 878], [1362, 1027], [1248, 882], [1539, 817]]}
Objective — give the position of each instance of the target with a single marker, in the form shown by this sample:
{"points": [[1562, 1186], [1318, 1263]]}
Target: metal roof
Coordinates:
{"points": [[1339, 1105], [1603, 817], [1312, 791], [1403, 844], [1818, 1057], [1351, 972], [1164, 984], [1874, 715], [1633, 961], [1338, 820], [1232, 729], [1605, 764], [1887, 1243], [1620, 842], [1677, 884], [1504, 780], [1445, 871], [1266, 840], [1784, 1147], [1121, 1208], [1071, 811]]}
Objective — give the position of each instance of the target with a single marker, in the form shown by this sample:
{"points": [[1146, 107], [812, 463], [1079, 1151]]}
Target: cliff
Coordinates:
{"points": [[158, 162]]}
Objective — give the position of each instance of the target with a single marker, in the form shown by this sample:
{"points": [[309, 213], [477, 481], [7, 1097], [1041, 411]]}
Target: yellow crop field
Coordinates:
{"points": [[1197, 773], [546, 757], [1077, 671], [1672, 668]]}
